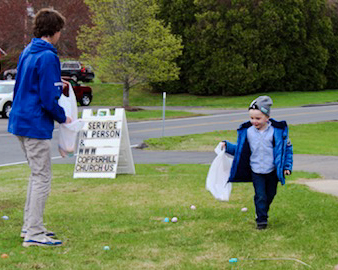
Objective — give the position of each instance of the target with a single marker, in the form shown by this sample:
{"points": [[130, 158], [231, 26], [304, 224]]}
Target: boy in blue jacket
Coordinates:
{"points": [[263, 155], [37, 89]]}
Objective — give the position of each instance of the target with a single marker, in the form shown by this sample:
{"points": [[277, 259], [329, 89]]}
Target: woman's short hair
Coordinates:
{"points": [[47, 22]]}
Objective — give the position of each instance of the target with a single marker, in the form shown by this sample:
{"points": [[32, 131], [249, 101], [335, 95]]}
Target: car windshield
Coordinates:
{"points": [[70, 65], [6, 89]]}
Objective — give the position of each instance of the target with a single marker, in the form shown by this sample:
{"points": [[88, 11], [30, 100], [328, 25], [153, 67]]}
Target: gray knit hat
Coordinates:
{"points": [[262, 103]]}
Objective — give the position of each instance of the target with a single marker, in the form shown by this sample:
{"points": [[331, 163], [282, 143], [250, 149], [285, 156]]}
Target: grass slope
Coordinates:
{"points": [[111, 95]]}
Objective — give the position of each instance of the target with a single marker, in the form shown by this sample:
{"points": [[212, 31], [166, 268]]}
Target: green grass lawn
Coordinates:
{"points": [[314, 139], [111, 95], [127, 215]]}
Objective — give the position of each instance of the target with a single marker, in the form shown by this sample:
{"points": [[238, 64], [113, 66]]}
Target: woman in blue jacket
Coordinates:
{"points": [[263, 155]]}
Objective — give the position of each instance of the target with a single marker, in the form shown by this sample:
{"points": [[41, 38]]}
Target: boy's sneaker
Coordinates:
{"points": [[41, 240], [262, 226], [48, 233]]}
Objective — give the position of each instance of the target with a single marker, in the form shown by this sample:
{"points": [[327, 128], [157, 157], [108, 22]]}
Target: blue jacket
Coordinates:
{"points": [[282, 152], [37, 89]]}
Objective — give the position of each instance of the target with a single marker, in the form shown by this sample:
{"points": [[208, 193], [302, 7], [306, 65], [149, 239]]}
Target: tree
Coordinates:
{"points": [[76, 13], [16, 17], [128, 44], [12, 24], [237, 47], [254, 46], [180, 15], [331, 71]]}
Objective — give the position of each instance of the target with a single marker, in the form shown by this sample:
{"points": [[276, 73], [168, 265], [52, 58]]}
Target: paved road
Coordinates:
{"points": [[10, 151], [228, 120]]}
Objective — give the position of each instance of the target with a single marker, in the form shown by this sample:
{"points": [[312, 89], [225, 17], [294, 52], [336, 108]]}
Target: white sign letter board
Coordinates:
{"points": [[104, 145]]}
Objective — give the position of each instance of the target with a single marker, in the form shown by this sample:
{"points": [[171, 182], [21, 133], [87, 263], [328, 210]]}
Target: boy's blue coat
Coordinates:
{"points": [[282, 152], [37, 90]]}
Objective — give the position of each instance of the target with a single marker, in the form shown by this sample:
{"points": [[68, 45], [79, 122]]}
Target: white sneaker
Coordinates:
{"points": [[41, 240], [48, 233]]}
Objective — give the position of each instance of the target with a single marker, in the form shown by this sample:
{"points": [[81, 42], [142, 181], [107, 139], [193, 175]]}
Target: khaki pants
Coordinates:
{"points": [[38, 155]]}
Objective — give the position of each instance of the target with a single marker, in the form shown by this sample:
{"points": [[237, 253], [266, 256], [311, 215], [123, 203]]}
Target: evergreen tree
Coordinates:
{"points": [[331, 71], [180, 16], [237, 47]]}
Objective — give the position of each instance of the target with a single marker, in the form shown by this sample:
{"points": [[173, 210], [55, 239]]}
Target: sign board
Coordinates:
{"points": [[104, 145]]}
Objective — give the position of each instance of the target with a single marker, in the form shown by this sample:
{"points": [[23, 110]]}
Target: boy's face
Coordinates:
{"points": [[258, 119]]}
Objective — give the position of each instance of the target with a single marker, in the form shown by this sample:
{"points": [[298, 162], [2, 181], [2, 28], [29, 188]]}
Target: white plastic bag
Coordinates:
{"points": [[218, 176], [68, 132]]}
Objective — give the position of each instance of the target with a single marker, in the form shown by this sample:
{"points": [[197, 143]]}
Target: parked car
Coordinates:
{"points": [[77, 71], [6, 97], [83, 93], [10, 74]]}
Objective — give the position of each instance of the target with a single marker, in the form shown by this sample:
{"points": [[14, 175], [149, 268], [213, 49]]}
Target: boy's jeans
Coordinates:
{"points": [[265, 190]]}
